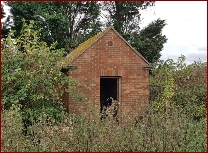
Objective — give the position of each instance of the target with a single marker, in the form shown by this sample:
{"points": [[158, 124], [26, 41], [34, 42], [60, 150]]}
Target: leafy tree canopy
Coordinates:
{"points": [[69, 24], [125, 17], [150, 41]]}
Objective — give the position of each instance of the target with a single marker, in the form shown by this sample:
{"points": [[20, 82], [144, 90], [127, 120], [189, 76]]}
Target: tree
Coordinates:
{"points": [[31, 76], [68, 23], [71, 23], [149, 42], [125, 17]]}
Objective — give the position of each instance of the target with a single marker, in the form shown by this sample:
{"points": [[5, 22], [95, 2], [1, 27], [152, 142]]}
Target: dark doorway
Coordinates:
{"points": [[108, 88]]}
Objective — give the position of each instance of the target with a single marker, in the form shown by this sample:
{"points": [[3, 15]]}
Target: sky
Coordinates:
{"points": [[186, 28], [6, 9]]}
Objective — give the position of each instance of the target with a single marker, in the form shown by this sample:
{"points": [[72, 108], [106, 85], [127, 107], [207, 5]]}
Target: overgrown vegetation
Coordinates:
{"points": [[181, 85], [31, 76], [33, 116], [155, 132]]}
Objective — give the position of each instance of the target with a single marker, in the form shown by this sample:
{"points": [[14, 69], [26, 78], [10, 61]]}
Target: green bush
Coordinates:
{"points": [[188, 85], [31, 76]]}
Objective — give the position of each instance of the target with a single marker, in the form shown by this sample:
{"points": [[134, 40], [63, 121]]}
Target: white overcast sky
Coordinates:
{"points": [[186, 28]]}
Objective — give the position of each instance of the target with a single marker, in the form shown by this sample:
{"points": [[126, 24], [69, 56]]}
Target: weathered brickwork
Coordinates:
{"points": [[110, 56]]}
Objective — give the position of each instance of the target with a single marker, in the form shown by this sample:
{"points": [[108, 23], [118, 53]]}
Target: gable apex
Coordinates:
{"points": [[87, 44]]}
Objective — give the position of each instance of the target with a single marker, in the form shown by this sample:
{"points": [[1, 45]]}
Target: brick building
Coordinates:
{"points": [[111, 68]]}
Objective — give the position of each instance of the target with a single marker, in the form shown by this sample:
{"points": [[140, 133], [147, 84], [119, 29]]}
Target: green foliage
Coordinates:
{"points": [[191, 91], [181, 85], [64, 22], [31, 75], [72, 23], [126, 18], [150, 40]]}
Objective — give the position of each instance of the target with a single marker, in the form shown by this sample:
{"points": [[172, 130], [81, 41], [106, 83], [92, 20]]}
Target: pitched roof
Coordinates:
{"points": [[87, 44]]}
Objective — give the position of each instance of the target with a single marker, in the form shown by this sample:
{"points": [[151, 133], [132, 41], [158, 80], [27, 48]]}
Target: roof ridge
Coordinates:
{"points": [[85, 45], [88, 43], [137, 52], [94, 36]]}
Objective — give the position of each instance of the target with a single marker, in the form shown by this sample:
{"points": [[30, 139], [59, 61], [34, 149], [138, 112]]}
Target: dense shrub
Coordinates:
{"points": [[31, 76], [188, 85], [155, 132]]}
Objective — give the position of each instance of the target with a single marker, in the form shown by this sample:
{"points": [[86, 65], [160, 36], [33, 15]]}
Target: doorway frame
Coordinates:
{"points": [[118, 85]]}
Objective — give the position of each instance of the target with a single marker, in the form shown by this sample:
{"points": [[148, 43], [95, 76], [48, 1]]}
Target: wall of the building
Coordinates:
{"points": [[102, 59]]}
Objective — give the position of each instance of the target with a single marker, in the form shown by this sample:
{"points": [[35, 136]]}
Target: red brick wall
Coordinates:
{"points": [[111, 56]]}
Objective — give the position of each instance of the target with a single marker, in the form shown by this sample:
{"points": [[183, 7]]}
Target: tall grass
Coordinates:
{"points": [[156, 131]]}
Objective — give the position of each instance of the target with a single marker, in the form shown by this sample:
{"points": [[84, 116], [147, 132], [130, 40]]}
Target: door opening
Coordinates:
{"points": [[109, 87]]}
